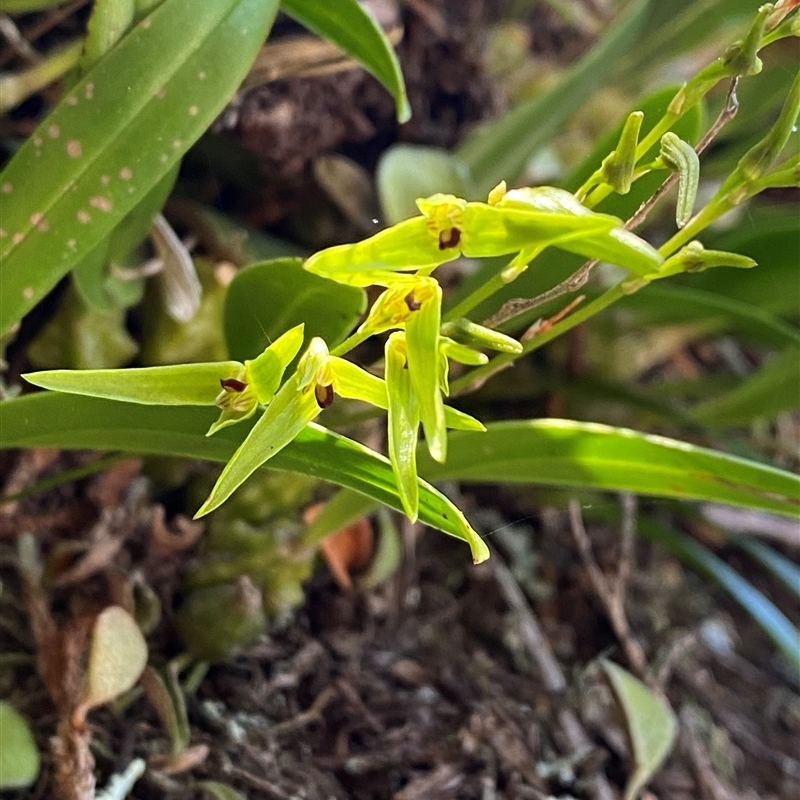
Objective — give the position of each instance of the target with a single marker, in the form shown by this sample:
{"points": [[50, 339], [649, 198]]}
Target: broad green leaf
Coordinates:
{"points": [[348, 25], [408, 171], [75, 422], [117, 656], [559, 452], [82, 171], [500, 149], [19, 757], [102, 290], [772, 621], [267, 299], [652, 726], [179, 385], [774, 388]]}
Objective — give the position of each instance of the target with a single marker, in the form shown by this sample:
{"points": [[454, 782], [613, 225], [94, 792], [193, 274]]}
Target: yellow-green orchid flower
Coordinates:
{"points": [[256, 382], [319, 379], [523, 221], [244, 385]]}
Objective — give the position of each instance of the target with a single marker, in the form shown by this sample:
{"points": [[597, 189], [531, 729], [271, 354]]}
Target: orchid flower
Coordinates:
{"points": [[244, 386]]}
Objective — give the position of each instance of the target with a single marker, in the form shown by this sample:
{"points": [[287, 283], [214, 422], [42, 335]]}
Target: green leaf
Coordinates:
{"points": [[267, 299], [75, 422], [500, 149], [651, 725], [19, 758], [764, 394], [101, 290], [350, 26], [408, 171], [82, 171], [558, 452], [179, 385], [117, 656]]}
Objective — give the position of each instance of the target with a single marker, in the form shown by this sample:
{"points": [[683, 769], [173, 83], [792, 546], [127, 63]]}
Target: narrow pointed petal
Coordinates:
{"points": [[179, 385], [459, 421], [289, 412], [266, 371], [355, 383], [403, 428], [422, 343]]}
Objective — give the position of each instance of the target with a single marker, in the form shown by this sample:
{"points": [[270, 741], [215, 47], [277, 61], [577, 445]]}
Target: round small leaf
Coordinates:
{"points": [[19, 758], [117, 657]]}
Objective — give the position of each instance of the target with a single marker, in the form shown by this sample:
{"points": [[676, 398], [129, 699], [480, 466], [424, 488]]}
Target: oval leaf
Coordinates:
{"points": [[651, 725], [267, 299], [19, 758], [82, 171], [117, 656]]}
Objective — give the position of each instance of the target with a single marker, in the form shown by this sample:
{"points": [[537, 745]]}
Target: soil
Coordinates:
{"points": [[447, 680]]}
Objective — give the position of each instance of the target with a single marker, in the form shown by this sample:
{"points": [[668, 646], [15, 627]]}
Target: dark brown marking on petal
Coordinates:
{"points": [[449, 238], [324, 395], [412, 302], [232, 384]]}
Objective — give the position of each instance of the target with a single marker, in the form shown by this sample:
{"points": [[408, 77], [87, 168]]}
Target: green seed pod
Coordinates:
{"points": [[681, 157], [215, 621]]}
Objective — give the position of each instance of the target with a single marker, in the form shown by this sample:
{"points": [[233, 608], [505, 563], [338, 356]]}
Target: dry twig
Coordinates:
{"points": [[611, 592]]}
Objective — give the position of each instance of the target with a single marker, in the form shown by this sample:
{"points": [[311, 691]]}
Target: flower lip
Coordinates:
{"points": [[232, 384], [449, 238], [324, 395], [412, 302]]}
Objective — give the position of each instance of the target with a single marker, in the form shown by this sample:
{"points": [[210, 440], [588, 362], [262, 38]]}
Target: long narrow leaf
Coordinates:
{"points": [[348, 25], [785, 636], [559, 452], [116, 134], [71, 421]]}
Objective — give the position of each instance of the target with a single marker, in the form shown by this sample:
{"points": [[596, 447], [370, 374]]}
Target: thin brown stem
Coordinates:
{"points": [[611, 592]]}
